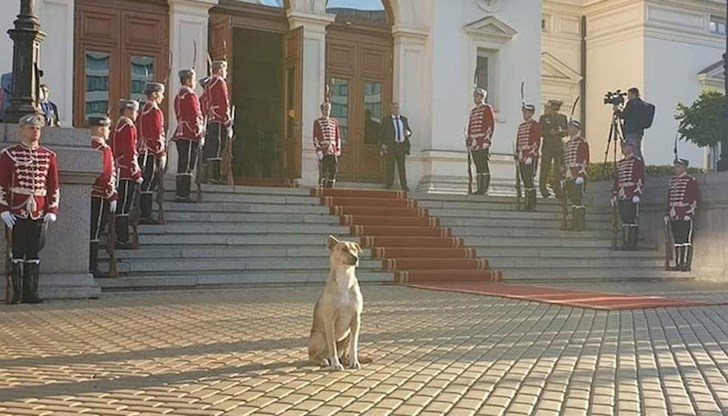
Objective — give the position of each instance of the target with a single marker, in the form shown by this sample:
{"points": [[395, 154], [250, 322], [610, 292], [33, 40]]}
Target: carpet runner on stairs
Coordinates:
{"points": [[405, 237]]}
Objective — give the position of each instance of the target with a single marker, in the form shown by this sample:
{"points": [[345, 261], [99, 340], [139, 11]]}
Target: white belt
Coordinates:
{"points": [[24, 191]]}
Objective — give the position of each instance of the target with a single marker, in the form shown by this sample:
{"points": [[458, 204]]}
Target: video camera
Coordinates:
{"points": [[614, 98]]}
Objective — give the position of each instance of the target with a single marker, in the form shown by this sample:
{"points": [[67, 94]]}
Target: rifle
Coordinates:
{"points": [[669, 243], [615, 224], [162, 171], [198, 173], [470, 173], [518, 178], [110, 249], [134, 217], [9, 294], [227, 155], [564, 209]]}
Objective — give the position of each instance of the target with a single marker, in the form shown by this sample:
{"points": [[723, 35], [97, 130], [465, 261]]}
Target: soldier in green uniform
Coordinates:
{"points": [[553, 127]]}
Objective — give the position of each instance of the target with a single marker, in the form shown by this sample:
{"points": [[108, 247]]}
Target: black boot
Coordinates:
{"points": [[122, 232], [687, 258], [216, 171], [633, 236], [31, 272], [15, 286], [678, 258], [178, 188], [532, 200], [625, 237], [184, 184], [146, 199], [579, 214], [93, 259]]}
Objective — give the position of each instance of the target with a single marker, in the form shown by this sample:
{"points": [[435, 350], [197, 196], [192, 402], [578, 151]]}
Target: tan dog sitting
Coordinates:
{"points": [[337, 314]]}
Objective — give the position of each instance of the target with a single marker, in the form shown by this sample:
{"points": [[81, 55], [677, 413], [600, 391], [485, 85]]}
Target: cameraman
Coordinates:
{"points": [[633, 123]]}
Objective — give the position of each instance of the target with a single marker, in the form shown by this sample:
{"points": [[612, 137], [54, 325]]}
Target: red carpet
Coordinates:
{"points": [[574, 298], [405, 237]]}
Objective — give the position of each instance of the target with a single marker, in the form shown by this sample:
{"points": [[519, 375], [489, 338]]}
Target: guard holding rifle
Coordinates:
{"points": [[129, 175], [576, 159], [189, 133], [527, 147], [219, 122], [553, 128], [152, 147], [481, 126], [627, 191], [682, 201], [103, 190], [29, 197], [327, 143]]}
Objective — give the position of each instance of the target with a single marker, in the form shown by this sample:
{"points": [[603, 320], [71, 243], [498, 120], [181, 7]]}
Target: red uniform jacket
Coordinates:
{"points": [[480, 127], [29, 183], [189, 115], [682, 197], [150, 125], [217, 102], [528, 140], [105, 184], [124, 146], [326, 136], [630, 179], [576, 157]]}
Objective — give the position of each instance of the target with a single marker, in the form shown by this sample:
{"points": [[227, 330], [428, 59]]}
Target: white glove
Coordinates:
{"points": [[579, 180], [636, 199], [8, 219], [613, 201], [666, 218], [229, 132], [686, 218], [50, 217], [320, 155], [529, 161], [112, 206], [140, 180]]}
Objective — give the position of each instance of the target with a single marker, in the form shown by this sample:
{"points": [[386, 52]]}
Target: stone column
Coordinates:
{"points": [[314, 79], [188, 20], [411, 75], [64, 260]]}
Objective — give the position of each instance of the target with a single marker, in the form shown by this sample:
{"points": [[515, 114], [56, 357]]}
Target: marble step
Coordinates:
{"points": [[489, 205], [550, 224], [249, 198], [223, 251], [528, 232], [197, 240], [591, 274], [242, 208], [479, 214], [233, 217], [534, 253], [212, 265], [231, 229], [169, 186], [212, 279], [506, 263]]}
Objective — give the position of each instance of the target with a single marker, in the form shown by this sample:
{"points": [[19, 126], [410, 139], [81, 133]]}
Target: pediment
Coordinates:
{"points": [[490, 28], [713, 72], [554, 69]]}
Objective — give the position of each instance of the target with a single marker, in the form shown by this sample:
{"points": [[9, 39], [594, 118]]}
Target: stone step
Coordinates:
{"points": [[476, 213], [241, 208], [491, 231], [212, 265], [169, 186], [500, 206], [231, 229], [535, 253], [222, 251], [550, 224], [483, 244], [211, 280], [500, 199], [588, 274], [196, 240], [249, 198], [507, 263], [231, 217]]}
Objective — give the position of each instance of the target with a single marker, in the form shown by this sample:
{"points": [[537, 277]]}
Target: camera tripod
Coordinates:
{"points": [[615, 135]]}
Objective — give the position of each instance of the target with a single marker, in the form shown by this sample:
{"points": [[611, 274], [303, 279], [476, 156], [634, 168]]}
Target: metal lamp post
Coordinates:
{"points": [[723, 162], [26, 36]]}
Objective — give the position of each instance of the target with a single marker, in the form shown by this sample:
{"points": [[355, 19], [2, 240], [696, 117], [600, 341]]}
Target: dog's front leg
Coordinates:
{"points": [[329, 329], [354, 353]]}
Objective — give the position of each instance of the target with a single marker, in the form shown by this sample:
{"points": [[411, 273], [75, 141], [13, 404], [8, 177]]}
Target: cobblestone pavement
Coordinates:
{"points": [[237, 352]]}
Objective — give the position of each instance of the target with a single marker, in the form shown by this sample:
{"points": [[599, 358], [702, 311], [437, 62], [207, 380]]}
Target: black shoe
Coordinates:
{"points": [[14, 292], [31, 271], [120, 245], [545, 193]]}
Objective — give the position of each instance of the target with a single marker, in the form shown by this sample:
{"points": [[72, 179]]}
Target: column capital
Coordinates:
{"points": [[311, 21], [410, 34], [200, 7]]}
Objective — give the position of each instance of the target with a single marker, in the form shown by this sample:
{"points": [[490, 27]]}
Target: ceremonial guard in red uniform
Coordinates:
{"points": [[627, 191], [103, 190], [327, 142], [152, 147], [219, 122], [576, 158], [189, 133], [528, 141], [481, 127], [682, 200], [124, 146], [29, 197]]}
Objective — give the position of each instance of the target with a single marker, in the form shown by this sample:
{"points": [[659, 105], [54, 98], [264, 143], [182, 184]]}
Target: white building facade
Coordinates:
{"points": [[424, 54]]}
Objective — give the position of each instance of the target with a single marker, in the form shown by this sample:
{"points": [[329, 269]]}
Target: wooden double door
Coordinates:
{"points": [[359, 72]]}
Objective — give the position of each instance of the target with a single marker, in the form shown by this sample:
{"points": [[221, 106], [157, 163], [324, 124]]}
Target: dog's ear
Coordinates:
{"points": [[358, 248], [331, 242]]}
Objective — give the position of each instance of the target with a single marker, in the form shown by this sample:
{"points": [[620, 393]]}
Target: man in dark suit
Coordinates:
{"points": [[394, 143]]}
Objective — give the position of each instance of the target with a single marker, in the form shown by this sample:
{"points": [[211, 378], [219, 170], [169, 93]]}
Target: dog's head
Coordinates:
{"points": [[344, 253]]}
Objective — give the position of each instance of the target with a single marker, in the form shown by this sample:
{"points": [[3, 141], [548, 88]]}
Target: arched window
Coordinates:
{"points": [[365, 12]]}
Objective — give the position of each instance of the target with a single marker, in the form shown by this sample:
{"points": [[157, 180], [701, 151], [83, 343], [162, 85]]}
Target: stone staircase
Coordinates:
{"points": [[264, 235], [529, 246], [245, 235]]}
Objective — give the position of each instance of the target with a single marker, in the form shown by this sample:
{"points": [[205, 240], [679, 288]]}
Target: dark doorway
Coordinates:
{"points": [[258, 98]]}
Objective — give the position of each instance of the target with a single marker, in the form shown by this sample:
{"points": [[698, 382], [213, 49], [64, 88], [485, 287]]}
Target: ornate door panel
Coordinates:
{"points": [[293, 103]]}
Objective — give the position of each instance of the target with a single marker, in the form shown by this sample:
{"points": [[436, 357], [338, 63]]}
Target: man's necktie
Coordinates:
{"points": [[396, 124]]}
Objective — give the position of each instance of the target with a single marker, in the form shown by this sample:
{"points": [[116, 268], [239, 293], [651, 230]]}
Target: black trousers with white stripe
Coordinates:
{"points": [[150, 166], [100, 209], [186, 163], [682, 232], [126, 189]]}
